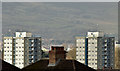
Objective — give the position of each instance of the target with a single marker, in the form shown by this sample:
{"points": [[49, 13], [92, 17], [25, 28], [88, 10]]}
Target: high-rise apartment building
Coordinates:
{"points": [[106, 52], [81, 50], [21, 50], [95, 50]]}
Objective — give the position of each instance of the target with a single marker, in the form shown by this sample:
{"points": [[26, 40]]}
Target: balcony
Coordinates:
{"points": [[32, 45], [32, 40], [30, 54], [104, 51], [105, 45], [31, 49], [104, 54], [106, 57]]}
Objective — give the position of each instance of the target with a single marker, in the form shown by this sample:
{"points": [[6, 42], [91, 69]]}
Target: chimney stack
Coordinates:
{"points": [[56, 54]]}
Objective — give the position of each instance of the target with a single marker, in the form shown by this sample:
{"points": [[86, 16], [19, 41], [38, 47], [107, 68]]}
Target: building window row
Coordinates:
{"points": [[92, 55], [19, 39], [92, 51], [92, 59], [7, 43], [82, 59], [82, 47], [92, 63], [7, 59], [7, 55], [7, 47], [19, 51], [19, 47], [7, 39], [7, 51], [19, 63], [19, 55]]}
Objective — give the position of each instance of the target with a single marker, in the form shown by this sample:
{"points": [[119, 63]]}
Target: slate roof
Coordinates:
{"points": [[63, 65], [42, 65], [8, 67], [108, 70]]}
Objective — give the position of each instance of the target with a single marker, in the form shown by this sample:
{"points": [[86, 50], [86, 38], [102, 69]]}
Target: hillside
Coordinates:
{"points": [[61, 21]]}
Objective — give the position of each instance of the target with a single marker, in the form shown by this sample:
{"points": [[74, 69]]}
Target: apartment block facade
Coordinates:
{"points": [[21, 50], [81, 50], [98, 51]]}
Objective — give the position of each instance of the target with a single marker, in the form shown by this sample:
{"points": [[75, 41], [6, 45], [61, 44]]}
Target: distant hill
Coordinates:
{"points": [[61, 21]]}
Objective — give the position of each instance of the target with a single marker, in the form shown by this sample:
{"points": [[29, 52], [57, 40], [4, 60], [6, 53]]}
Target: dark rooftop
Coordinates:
{"points": [[8, 67], [108, 70], [42, 65], [63, 65]]}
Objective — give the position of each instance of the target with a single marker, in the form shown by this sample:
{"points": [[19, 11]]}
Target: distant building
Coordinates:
{"points": [[95, 50], [21, 50]]}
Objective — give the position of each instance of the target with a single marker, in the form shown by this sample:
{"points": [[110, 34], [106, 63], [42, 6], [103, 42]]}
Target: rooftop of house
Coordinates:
{"points": [[8, 67], [42, 65], [108, 70], [66, 65]]}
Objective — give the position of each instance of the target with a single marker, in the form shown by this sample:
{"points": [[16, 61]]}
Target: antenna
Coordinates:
{"points": [[97, 27]]}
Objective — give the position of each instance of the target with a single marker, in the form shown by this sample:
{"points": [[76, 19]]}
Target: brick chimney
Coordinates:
{"points": [[56, 54]]}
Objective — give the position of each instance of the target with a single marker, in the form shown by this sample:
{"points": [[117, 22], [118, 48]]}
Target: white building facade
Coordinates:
{"points": [[93, 53], [15, 49], [80, 50]]}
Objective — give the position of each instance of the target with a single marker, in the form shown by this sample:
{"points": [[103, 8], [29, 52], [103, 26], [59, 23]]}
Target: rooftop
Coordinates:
{"points": [[8, 67], [66, 65]]}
